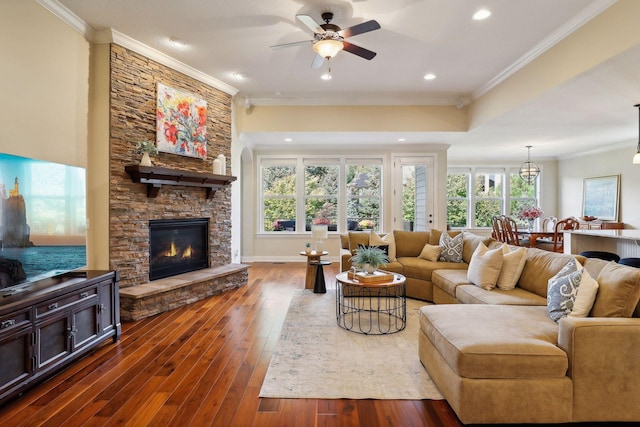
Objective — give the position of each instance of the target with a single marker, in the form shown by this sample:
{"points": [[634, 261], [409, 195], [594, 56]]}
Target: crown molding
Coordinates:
{"points": [[113, 36], [578, 21], [68, 18]]}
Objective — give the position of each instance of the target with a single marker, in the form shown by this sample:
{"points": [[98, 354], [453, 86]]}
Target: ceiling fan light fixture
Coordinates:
{"points": [[328, 48], [529, 171]]}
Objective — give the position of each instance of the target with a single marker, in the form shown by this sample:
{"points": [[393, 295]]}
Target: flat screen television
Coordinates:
{"points": [[42, 219]]}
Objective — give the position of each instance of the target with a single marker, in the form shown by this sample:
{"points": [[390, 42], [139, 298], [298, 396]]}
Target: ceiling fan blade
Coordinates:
{"points": [[279, 46], [365, 27], [360, 51], [317, 61], [309, 22]]}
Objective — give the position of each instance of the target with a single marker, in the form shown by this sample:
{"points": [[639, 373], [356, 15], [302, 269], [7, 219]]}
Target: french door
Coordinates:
{"points": [[413, 193]]}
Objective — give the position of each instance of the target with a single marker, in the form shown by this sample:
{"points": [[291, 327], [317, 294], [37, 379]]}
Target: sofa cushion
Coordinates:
{"points": [[450, 248], [487, 341], [470, 242], [586, 295], [410, 243], [357, 238], [430, 252], [619, 291], [485, 267], [539, 268], [344, 241], [512, 265], [435, 235], [562, 290], [449, 280], [471, 294], [419, 268]]}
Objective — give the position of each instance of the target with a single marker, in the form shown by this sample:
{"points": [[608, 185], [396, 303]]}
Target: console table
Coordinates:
{"points": [[625, 243], [48, 323]]}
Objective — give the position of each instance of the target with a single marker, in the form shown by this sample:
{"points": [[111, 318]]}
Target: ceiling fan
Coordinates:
{"points": [[329, 39]]}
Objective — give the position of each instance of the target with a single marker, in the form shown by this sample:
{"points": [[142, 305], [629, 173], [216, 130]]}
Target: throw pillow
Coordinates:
{"points": [[512, 265], [586, 296], [387, 240], [430, 253], [357, 238], [618, 293], [562, 289], [451, 248], [485, 266]]}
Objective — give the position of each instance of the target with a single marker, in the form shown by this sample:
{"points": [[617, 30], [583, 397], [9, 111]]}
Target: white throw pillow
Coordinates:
{"points": [[585, 297], [388, 239], [430, 253], [485, 266], [512, 265]]}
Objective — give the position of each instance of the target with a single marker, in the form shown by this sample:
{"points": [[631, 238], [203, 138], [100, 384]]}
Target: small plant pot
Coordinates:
{"points": [[146, 160]]}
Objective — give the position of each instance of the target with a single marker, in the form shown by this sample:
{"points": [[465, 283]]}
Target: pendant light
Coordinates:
{"points": [[529, 171], [636, 157]]}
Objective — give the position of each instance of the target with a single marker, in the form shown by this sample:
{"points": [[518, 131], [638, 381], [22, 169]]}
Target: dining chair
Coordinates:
{"points": [[512, 236], [549, 223], [497, 229], [569, 223]]}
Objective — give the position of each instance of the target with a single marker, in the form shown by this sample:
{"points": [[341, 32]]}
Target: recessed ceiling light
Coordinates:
{"points": [[429, 76], [288, 139], [402, 139], [177, 42], [481, 14], [237, 76], [326, 76]]}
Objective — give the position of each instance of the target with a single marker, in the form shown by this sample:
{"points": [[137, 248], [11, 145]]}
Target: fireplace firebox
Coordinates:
{"points": [[177, 246]]}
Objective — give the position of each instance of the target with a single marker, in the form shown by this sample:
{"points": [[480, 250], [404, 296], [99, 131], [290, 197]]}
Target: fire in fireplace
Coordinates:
{"points": [[177, 246]]}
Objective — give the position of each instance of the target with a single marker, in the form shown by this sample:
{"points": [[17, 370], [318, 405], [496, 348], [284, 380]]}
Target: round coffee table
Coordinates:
{"points": [[371, 308]]}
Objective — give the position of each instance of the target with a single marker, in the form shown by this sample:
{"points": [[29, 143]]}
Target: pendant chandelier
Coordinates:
{"points": [[636, 158], [529, 171]]}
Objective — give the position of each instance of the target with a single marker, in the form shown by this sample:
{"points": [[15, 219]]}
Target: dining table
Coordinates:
{"points": [[534, 235]]}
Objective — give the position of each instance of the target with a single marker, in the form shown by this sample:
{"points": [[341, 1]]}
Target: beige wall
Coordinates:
{"points": [[572, 172], [44, 82]]}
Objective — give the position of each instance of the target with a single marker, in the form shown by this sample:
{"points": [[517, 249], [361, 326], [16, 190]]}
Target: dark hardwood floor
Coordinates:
{"points": [[203, 365]]}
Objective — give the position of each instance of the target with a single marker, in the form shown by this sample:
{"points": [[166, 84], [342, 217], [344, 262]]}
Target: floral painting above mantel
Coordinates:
{"points": [[181, 123]]}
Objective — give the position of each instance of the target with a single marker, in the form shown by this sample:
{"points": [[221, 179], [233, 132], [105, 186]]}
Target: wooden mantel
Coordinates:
{"points": [[155, 177]]}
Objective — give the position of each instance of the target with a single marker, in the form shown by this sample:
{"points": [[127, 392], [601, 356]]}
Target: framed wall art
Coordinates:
{"points": [[600, 197], [181, 123]]}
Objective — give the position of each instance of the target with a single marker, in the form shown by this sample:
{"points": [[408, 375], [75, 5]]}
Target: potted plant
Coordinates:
{"points": [[146, 148], [369, 258], [307, 247]]}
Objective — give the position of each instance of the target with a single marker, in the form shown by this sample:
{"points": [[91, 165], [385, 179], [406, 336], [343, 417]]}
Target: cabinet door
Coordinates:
{"points": [[107, 298], [53, 337], [15, 358], [85, 325]]}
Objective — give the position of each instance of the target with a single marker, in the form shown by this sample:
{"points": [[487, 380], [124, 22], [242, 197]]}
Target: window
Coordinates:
{"points": [[364, 196], [489, 190], [279, 197], [457, 199], [344, 193], [321, 194], [495, 192]]}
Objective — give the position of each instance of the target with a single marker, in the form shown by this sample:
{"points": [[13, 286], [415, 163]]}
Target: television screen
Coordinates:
{"points": [[42, 219]]}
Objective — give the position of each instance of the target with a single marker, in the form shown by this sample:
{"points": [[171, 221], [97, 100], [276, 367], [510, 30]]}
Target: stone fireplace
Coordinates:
{"points": [[135, 205], [177, 246]]}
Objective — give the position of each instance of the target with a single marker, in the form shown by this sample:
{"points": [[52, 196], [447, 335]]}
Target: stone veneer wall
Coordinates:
{"points": [[133, 94]]}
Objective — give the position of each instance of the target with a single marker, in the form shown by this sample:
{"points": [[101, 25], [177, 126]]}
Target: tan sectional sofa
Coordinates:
{"points": [[498, 357]]}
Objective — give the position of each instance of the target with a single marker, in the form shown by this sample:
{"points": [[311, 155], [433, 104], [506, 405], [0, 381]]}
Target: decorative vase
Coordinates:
{"points": [[307, 250], [531, 221], [370, 269], [146, 160]]}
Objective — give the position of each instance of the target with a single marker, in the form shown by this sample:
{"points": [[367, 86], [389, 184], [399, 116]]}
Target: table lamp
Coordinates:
{"points": [[319, 233]]}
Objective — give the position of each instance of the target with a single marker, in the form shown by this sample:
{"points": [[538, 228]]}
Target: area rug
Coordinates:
{"points": [[315, 358]]}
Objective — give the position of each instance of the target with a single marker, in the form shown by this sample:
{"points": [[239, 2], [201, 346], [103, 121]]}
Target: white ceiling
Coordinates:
{"points": [[223, 37]]}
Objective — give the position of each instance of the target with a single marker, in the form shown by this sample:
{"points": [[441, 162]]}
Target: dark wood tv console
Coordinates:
{"points": [[47, 324]]}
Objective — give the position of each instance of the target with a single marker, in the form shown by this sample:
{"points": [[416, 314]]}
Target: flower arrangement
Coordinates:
{"points": [[366, 223], [530, 213], [146, 147]]}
